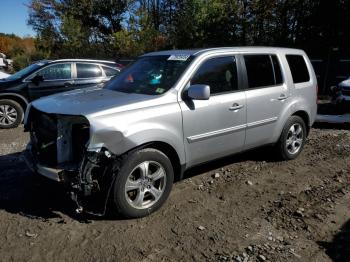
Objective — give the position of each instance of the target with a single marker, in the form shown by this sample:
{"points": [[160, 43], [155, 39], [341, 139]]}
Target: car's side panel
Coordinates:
{"points": [[267, 113], [302, 96], [211, 129], [264, 109]]}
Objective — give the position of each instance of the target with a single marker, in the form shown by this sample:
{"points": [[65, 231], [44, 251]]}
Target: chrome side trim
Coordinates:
{"points": [[221, 132], [216, 133], [262, 122]]}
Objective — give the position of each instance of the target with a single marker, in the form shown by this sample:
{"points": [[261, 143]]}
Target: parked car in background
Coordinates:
{"points": [[3, 75], [344, 87], [165, 113], [46, 78], [5, 64]]}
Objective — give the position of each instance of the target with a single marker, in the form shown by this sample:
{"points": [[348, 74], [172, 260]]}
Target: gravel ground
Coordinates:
{"points": [[242, 208]]}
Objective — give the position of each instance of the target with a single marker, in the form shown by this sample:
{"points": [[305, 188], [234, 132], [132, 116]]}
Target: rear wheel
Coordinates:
{"points": [[143, 183], [11, 113], [292, 139]]}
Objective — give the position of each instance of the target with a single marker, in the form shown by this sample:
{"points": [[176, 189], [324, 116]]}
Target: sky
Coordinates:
{"points": [[13, 17]]}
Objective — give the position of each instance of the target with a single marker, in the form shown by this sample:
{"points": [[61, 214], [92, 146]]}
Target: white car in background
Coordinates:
{"points": [[345, 90], [3, 75]]}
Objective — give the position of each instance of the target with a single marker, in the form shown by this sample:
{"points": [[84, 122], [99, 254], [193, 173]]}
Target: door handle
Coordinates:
{"points": [[282, 97], [235, 106]]}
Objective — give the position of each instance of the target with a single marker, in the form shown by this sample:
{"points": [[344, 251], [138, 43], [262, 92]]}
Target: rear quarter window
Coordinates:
{"points": [[298, 67], [110, 71]]}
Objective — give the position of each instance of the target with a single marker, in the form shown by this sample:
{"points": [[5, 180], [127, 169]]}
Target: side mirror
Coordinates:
{"points": [[199, 92], [37, 79]]}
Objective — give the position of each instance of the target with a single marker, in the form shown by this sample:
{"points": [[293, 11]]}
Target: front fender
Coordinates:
{"points": [[123, 132], [119, 143]]}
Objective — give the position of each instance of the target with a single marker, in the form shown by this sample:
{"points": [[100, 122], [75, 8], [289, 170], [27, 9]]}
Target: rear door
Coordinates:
{"points": [[266, 95], [88, 74], [55, 78], [216, 127]]}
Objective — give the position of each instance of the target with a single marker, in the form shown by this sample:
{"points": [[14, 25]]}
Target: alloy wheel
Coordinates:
{"points": [[8, 115], [145, 184], [295, 139]]}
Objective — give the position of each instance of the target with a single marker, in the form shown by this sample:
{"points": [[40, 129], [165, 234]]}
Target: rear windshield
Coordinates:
{"points": [[150, 75], [298, 68]]}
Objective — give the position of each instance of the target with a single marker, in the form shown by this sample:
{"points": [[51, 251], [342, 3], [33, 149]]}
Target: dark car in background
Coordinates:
{"points": [[48, 77]]}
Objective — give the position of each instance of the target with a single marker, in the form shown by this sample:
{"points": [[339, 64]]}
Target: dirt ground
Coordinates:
{"points": [[243, 208]]}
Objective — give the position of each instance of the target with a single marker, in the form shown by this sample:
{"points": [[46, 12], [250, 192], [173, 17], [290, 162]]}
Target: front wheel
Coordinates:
{"points": [[292, 139], [143, 183], [11, 114]]}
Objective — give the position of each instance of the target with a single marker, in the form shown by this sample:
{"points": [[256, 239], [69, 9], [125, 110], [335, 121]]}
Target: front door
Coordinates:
{"points": [[55, 78], [216, 127]]}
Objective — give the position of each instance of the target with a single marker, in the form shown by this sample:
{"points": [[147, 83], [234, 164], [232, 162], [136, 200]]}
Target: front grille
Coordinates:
{"points": [[44, 133], [44, 137], [80, 136]]}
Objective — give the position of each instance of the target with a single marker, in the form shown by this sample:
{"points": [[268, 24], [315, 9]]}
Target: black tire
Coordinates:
{"points": [[6, 123], [128, 166], [285, 151]]}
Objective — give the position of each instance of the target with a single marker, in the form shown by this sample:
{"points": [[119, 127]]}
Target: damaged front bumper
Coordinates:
{"points": [[58, 150], [56, 174], [89, 185]]}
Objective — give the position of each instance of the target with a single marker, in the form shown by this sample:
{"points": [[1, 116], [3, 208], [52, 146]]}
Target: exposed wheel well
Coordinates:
{"points": [[17, 99], [305, 116], [171, 153]]}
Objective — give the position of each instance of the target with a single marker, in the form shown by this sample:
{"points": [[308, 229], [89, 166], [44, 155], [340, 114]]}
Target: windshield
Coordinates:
{"points": [[24, 71], [150, 75]]}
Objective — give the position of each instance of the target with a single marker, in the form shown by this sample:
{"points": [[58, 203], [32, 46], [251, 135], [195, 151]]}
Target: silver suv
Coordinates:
{"points": [[167, 112]]}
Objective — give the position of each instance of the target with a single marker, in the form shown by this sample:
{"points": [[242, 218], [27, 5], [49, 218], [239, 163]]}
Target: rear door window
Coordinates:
{"points": [[298, 68], [88, 70], [259, 71], [263, 70], [219, 73]]}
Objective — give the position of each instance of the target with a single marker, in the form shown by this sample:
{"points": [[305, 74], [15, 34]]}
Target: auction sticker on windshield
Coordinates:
{"points": [[178, 57]]}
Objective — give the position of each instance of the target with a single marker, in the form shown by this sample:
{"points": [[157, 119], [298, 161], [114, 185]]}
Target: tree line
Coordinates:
{"points": [[117, 29], [21, 50]]}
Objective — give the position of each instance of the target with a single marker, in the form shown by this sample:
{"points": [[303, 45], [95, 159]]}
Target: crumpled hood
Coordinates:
{"points": [[88, 101]]}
